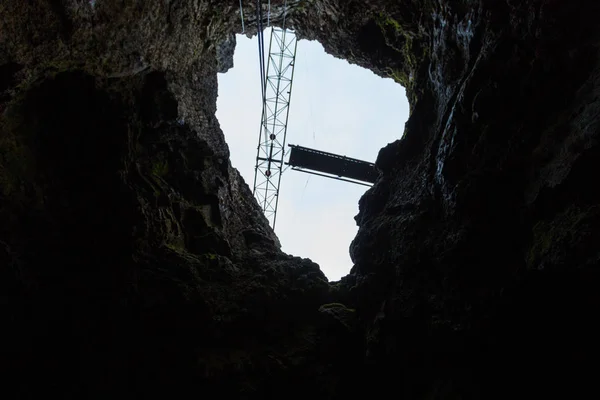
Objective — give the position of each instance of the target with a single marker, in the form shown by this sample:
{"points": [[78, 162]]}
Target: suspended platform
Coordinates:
{"points": [[332, 165]]}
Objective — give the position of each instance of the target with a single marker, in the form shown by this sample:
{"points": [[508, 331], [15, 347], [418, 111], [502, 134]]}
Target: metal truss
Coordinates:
{"points": [[273, 130], [338, 178], [331, 165]]}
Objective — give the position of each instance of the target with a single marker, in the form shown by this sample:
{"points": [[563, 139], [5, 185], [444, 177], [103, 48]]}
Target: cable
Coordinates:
{"points": [[305, 185], [310, 105], [309, 96], [261, 49], [242, 14], [284, 14]]}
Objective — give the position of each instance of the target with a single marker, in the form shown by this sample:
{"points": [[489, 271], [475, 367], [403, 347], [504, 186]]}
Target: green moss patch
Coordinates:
{"points": [[160, 168], [564, 237], [17, 164], [410, 53]]}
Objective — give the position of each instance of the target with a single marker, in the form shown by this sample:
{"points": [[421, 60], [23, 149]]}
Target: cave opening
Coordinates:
{"points": [[335, 107]]}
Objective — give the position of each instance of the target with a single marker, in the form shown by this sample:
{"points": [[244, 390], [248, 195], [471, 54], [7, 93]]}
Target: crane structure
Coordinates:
{"points": [[276, 91]]}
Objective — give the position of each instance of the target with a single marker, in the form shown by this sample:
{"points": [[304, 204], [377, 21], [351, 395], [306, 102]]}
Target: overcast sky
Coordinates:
{"points": [[335, 107]]}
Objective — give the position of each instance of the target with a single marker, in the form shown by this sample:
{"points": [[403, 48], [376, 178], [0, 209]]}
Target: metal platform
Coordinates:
{"points": [[332, 165]]}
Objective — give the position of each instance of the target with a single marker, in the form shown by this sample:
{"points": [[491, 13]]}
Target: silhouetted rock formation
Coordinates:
{"points": [[134, 260]]}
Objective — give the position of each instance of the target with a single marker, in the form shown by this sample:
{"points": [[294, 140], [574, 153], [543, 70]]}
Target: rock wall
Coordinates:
{"points": [[476, 262], [134, 260]]}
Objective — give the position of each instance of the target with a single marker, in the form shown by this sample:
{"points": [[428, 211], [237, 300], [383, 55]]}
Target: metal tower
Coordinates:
{"points": [[277, 92]]}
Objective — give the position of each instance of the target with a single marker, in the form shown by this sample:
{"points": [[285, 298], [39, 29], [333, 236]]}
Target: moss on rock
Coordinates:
{"points": [[560, 239]]}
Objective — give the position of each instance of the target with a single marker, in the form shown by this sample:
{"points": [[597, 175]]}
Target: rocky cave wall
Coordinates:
{"points": [[134, 260]]}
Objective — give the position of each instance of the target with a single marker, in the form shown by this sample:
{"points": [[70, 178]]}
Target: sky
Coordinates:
{"points": [[335, 107]]}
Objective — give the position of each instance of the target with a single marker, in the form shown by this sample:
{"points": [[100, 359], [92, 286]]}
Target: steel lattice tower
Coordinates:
{"points": [[273, 130]]}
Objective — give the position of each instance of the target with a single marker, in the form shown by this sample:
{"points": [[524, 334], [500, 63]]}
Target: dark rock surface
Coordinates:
{"points": [[135, 262]]}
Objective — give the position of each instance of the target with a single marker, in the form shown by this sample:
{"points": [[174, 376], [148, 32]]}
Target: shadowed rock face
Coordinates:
{"points": [[134, 260]]}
